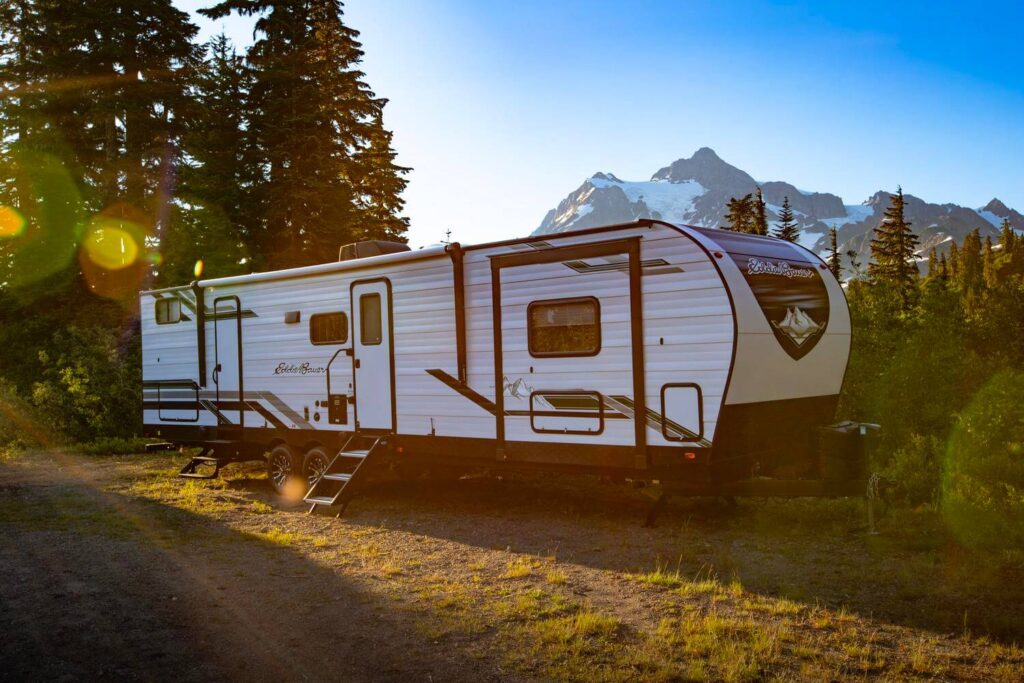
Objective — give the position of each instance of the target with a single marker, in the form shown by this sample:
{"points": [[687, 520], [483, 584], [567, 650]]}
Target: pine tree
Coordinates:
{"points": [[971, 271], [740, 214], [760, 224], [1007, 237], [219, 175], [954, 261], [892, 252], [328, 169], [988, 265], [380, 182], [834, 261], [943, 268], [786, 228], [103, 95]]}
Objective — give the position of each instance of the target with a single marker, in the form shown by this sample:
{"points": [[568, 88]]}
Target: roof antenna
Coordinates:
{"points": [[448, 236]]}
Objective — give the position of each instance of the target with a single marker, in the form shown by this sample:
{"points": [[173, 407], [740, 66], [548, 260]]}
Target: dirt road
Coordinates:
{"points": [[112, 568]]}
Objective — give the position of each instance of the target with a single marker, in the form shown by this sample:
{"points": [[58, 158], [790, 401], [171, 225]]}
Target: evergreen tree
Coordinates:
{"points": [[943, 268], [786, 228], [760, 224], [971, 271], [834, 261], [892, 252], [215, 217], [328, 175], [954, 262], [102, 98], [740, 214], [1007, 237]]}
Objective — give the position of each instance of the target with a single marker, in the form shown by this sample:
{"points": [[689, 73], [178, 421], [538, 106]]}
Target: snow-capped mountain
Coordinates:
{"points": [[696, 190]]}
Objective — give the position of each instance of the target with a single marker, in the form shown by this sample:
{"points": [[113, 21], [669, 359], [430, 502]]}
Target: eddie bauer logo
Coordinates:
{"points": [[756, 266], [293, 369]]}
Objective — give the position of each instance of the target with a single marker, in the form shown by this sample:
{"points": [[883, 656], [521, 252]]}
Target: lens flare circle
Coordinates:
{"points": [[110, 246], [198, 270], [12, 223]]}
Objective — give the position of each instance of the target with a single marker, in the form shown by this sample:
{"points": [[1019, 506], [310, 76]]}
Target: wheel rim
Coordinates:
{"points": [[316, 468], [280, 469]]}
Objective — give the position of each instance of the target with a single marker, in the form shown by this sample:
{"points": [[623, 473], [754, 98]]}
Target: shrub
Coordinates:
{"points": [[14, 418], [90, 384], [916, 469], [983, 485]]}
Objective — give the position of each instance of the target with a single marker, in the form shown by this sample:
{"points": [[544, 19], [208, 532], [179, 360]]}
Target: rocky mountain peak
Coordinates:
{"points": [[708, 169], [997, 207], [697, 190]]}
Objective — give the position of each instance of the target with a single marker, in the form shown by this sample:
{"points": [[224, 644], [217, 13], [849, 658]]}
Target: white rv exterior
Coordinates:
{"points": [[541, 351]]}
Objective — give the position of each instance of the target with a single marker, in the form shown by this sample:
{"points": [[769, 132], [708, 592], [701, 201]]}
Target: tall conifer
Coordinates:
{"points": [[740, 214], [892, 251], [834, 261], [786, 228], [328, 175], [760, 223]]}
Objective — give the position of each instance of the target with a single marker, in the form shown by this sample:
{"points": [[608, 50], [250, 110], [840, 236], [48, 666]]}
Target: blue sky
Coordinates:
{"points": [[504, 108]]}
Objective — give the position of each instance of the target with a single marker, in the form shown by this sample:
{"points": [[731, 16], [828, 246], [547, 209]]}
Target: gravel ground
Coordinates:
{"points": [[114, 569]]}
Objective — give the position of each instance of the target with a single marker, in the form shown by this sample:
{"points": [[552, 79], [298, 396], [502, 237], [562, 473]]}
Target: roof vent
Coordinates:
{"points": [[367, 248]]}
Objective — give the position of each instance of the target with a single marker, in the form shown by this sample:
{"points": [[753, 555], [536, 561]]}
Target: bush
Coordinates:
{"points": [[90, 384], [916, 469], [983, 485], [14, 418]]}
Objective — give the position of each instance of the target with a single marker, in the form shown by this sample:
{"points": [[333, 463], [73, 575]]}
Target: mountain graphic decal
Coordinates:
{"points": [[798, 326]]}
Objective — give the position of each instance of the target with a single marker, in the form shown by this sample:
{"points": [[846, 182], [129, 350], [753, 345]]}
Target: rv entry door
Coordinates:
{"points": [[373, 356], [227, 368]]}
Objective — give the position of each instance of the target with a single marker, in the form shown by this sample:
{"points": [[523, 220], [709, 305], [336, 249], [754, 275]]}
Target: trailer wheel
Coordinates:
{"points": [[282, 468], [315, 464]]}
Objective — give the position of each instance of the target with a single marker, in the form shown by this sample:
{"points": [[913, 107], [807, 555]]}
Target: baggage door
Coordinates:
{"points": [[570, 352], [227, 368], [373, 356]]}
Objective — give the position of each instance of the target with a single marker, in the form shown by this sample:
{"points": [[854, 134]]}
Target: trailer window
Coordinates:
{"points": [[565, 327], [328, 328], [369, 319], [168, 311]]}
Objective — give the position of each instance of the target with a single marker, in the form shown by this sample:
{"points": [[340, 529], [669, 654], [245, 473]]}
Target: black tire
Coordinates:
{"points": [[282, 468], [315, 464]]}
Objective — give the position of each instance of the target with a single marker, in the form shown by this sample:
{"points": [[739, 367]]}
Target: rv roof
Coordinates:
{"points": [[428, 252]]}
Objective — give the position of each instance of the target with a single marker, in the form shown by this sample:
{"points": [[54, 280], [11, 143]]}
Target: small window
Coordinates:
{"points": [[566, 327], [168, 311], [328, 328], [369, 319]]}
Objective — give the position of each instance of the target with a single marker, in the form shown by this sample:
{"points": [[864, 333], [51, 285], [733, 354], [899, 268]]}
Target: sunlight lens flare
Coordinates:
{"points": [[198, 270], [111, 247], [12, 223], [113, 252]]}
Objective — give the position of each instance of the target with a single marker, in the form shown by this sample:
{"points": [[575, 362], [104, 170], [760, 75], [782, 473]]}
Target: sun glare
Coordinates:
{"points": [[198, 270], [111, 247], [12, 223]]}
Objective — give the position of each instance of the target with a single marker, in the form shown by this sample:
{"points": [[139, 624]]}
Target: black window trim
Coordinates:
{"points": [[380, 319], [568, 414], [344, 328], [166, 300], [664, 410], [563, 354]]}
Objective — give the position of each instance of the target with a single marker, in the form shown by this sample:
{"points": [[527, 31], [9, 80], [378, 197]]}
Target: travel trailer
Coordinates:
{"points": [[706, 360]]}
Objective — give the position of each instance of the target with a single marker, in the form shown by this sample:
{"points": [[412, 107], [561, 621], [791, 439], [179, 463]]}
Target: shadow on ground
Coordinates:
{"points": [[100, 585], [813, 551]]}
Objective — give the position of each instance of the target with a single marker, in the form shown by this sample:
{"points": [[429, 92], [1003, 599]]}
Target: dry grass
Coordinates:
{"points": [[673, 622]]}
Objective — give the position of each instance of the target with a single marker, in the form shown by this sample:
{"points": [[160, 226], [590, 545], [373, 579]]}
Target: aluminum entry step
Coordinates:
{"points": [[320, 500], [337, 476], [354, 454]]}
